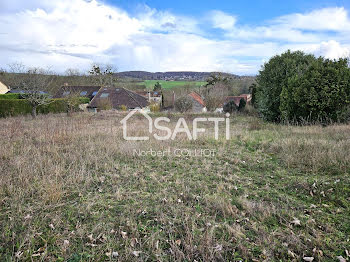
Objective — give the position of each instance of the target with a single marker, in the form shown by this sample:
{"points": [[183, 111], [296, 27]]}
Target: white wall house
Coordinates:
{"points": [[3, 88]]}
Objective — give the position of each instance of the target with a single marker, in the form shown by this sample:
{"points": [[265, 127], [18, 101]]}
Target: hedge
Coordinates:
{"points": [[11, 96], [15, 107]]}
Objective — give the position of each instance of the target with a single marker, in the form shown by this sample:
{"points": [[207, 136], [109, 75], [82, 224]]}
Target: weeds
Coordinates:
{"points": [[71, 189]]}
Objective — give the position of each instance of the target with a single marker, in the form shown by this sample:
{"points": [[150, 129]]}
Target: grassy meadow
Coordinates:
{"points": [[71, 189], [171, 84]]}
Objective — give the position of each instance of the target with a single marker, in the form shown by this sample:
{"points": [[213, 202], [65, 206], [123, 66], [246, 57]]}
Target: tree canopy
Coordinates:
{"points": [[295, 86]]}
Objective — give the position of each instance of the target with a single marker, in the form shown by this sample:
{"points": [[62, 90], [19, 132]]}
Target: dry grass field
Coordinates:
{"points": [[71, 189]]}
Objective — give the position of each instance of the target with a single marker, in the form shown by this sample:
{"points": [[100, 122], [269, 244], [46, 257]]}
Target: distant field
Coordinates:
{"points": [[170, 84]]}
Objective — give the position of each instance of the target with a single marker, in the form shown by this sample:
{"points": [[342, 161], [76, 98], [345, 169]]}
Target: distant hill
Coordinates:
{"points": [[185, 75]]}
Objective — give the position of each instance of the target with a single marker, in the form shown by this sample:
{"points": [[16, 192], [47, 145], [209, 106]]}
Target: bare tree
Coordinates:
{"points": [[17, 68], [35, 81], [104, 75], [72, 99], [3, 71], [183, 104], [14, 75], [215, 96], [72, 72], [215, 79]]}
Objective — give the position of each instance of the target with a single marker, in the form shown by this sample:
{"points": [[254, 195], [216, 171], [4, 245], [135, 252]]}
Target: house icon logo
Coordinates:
{"points": [[124, 122]]}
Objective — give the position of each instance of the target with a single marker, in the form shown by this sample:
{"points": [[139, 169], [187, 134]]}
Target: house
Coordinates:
{"points": [[152, 96], [118, 97], [82, 91], [237, 99], [3, 88], [247, 97], [198, 103]]}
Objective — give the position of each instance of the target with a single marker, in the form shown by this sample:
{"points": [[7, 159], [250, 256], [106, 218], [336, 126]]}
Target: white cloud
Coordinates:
{"points": [[309, 27], [335, 19], [222, 20], [74, 33], [330, 49], [163, 21]]}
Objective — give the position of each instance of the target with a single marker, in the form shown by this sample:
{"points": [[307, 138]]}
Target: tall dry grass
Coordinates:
{"points": [[76, 179]]}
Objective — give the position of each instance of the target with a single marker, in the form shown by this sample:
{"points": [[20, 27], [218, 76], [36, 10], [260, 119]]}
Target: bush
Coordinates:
{"points": [[274, 77], [230, 107], [298, 87], [320, 94], [155, 107], [242, 104], [84, 100], [123, 108], [104, 104], [183, 104], [14, 107], [11, 96], [56, 106]]}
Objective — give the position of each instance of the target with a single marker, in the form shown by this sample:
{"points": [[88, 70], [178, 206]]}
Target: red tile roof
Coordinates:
{"points": [[197, 97]]}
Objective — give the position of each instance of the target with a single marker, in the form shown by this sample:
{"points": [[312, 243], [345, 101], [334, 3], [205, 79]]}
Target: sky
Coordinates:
{"points": [[158, 35]]}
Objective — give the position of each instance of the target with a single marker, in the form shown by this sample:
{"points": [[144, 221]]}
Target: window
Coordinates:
{"points": [[104, 95], [66, 93], [83, 93], [94, 93]]}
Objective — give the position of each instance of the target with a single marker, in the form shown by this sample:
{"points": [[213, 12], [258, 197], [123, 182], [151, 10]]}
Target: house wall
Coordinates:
{"points": [[3, 89], [197, 107], [156, 99]]}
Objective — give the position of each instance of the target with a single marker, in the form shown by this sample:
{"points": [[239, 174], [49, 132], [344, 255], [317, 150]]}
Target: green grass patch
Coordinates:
{"points": [[173, 84]]}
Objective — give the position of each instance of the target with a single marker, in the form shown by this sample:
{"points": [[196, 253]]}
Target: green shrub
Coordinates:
{"points": [[320, 94], [11, 96], [84, 100], [242, 104], [230, 107], [15, 107], [58, 105], [273, 77], [104, 104], [123, 108], [155, 107], [296, 87]]}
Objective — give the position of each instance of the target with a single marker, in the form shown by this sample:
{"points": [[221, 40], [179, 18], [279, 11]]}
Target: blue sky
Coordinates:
{"points": [[230, 36], [249, 12]]}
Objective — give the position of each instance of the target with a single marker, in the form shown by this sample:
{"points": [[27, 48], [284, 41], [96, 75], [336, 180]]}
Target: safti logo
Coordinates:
{"points": [[180, 127]]}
